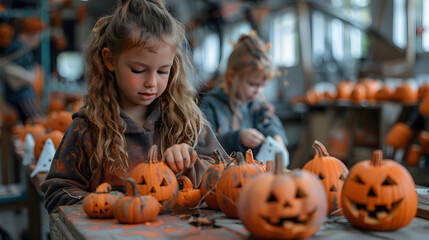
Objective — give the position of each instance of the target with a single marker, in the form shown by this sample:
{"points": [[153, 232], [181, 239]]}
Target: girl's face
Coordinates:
{"points": [[250, 86], [142, 73]]}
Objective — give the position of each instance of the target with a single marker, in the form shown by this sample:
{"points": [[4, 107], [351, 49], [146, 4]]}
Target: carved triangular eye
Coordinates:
{"points": [[388, 181], [358, 180], [143, 182], [238, 185], [163, 183], [321, 176], [272, 198], [300, 193], [342, 178]]}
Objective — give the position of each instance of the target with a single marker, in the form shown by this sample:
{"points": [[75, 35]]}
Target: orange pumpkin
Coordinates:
{"points": [[423, 90], [210, 178], [231, 182], [250, 160], [100, 203], [405, 93], [424, 105], [135, 208], [385, 93], [371, 88], [35, 130], [6, 35], [283, 205], [424, 141], [188, 196], [413, 156], [61, 120], [359, 93], [344, 90], [156, 178], [40, 141], [399, 135], [379, 195], [331, 172]]}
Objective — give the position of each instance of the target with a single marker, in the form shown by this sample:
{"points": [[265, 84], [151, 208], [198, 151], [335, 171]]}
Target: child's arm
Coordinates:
{"points": [[66, 183], [268, 123]]}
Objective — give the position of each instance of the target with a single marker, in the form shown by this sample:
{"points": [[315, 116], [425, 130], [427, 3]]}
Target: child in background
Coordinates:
{"points": [[19, 70], [237, 112], [138, 95]]}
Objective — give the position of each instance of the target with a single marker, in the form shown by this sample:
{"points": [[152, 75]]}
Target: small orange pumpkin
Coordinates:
{"points": [[6, 35], [379, 195], [156, 178], [359, 93], [56, 136], [231, 182], [283, 205], [210, 179], [100, 203], [405, 93], [135, 208], [424, 141], [413, 156], [331, 172], [188, 196], [344, 90], [399, 135], [385, 93], [61, 120], [35, 130]]}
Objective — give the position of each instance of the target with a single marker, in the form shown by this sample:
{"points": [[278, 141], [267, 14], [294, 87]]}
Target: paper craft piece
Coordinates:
{"points": [[268, 151], [45, 159], [28, 150]]}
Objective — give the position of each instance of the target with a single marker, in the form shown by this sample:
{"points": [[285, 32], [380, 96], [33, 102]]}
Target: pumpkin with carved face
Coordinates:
{"points": [[283, 205], [100, 203], [379, 195], [230, 184], [156, 178], [331, 172]]}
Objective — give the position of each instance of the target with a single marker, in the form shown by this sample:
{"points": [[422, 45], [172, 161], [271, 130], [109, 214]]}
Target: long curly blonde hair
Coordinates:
{"points": [[135, 21]]}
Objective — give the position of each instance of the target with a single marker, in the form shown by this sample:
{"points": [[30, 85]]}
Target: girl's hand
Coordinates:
{"points": [[180, 157], [251, 138]]}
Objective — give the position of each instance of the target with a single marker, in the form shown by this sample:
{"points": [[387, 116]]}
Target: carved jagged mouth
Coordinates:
{"points": [[380, 210], [288, 222], [163, 202]]}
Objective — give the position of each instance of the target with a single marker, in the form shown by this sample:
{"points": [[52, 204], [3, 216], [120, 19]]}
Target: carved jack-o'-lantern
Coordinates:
{"points": [[379, 195], [231, 182], [210, 178], [331, 171], [156, 178], [283, 205], [100, 204]]}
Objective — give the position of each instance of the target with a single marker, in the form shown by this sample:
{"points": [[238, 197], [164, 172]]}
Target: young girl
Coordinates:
{"points": [[236, 111], [138, 95]]}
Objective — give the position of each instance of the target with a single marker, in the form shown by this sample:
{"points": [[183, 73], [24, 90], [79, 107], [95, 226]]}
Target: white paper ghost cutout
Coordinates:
{"points": [[28, 150], [45, 159]]}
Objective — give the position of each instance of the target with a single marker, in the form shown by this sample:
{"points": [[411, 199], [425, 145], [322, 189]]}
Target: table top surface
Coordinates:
{"points": [[211, 224]]}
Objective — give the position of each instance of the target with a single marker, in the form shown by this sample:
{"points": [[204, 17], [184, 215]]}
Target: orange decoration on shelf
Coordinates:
{"points": [[405, 93], [100, 203], [424, 141], [413, 156], [399, 135], [379, 195], [280, 205], [385, 93], [344, 90], [56, 136]]}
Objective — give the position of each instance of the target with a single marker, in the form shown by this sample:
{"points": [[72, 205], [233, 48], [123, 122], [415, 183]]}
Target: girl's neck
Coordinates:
{"points": [[138, 114]]}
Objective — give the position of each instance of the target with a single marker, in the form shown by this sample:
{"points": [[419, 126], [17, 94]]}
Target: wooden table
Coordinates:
{"points": [[72, 223]]}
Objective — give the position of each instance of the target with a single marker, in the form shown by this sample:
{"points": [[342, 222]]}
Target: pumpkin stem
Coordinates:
{"points": [[320, 149], [103, 188], [377, 157], [279, 164], [153, 154], [249, 157], [136, 192], [219, 156], [186, 182], [240, 158], [270, 166]]}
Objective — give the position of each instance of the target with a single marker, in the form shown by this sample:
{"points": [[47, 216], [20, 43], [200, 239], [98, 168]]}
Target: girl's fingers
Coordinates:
{"points": [[193, 154], [186, 156], [169, 159], [178, 158]]}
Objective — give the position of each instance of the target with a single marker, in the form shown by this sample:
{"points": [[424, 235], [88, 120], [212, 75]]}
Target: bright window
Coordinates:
{"points": [[232, 33], [425, 25], [318, 36], [207, 55], [284, 46], [337, 39], [399, 23]]}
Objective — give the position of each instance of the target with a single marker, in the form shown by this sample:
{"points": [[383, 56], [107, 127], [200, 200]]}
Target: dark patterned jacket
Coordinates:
{"points": [[258, 114], [67, 184]]}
